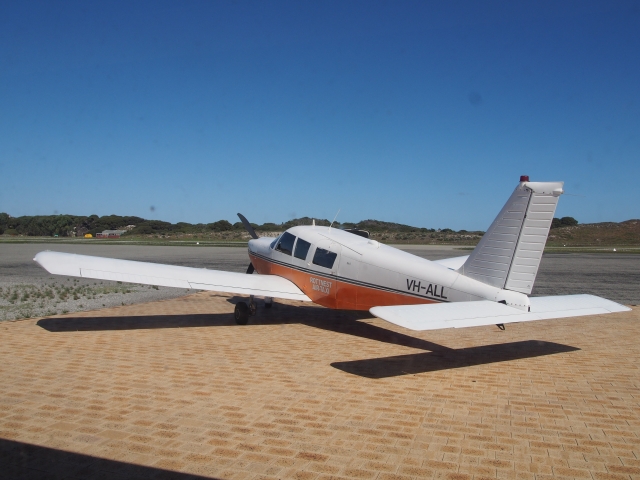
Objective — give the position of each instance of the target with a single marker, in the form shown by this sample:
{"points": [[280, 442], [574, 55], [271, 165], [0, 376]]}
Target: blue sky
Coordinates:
{"points": [[423, 113]]}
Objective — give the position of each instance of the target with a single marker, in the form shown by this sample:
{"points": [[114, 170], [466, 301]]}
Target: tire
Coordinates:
{"points": [[241, 313]]}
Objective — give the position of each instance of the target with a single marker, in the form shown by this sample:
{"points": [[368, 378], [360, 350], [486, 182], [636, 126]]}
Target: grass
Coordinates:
{"points": [[25, 301]]}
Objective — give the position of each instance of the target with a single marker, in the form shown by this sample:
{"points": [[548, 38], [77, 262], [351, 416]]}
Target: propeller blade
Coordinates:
{"points": [[250, 269], [247, 226]]}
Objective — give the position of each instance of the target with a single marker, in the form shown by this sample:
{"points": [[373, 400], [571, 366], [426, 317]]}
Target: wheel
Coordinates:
{"points": [[241, 313]]}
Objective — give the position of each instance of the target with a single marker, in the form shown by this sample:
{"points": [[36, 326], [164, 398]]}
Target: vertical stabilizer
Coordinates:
{"points": [[508, 255]]}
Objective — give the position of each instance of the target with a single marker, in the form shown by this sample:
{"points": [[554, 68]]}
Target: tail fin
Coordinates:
{"points": [[508, 255]]}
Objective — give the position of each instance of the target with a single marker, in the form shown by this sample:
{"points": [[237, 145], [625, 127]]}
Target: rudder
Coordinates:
{"points": [[509, 254]]}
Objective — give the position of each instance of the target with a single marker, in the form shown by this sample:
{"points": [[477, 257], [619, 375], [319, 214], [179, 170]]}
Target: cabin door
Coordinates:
{"points": [[325, 261]]}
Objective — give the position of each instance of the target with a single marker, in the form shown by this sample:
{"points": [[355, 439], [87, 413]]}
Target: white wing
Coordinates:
{"points": [[168, 275], [472, 314], [452, 263]]}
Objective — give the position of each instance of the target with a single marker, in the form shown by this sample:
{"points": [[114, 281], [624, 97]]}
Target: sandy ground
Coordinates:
{"points": [[26, 290]]}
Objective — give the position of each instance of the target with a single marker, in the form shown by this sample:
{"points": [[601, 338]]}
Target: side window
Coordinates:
{"points": [[285, 244], [324, 258], [302, 248], [275, 240]]}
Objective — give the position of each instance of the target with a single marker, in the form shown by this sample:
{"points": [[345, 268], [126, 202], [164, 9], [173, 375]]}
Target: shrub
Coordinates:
{"points": [[563, 222]]}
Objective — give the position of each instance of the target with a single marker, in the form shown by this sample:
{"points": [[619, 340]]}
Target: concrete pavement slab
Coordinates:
{"points": [[174, 389]]}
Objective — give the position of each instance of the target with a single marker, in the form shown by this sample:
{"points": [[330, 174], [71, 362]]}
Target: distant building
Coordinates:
{"points": [[110, 234]]}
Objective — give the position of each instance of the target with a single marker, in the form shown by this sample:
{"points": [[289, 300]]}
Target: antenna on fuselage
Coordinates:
{"points": [[334, 218]]}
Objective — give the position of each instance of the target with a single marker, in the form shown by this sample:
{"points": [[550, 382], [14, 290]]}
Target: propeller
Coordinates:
{"points": [[247, 226], [252, 232]]}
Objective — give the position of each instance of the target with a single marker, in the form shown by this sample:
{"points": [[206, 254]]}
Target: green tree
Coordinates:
{"points": [[220, 226], [568, 222], [563, 222]]}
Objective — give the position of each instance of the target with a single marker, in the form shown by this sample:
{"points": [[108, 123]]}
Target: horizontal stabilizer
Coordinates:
{"points": [[168, 275], [473, 314]]}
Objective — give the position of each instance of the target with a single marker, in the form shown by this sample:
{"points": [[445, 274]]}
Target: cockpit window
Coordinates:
{"points": [[302, 248], [285, 244], [275, 240], [324, 258]]}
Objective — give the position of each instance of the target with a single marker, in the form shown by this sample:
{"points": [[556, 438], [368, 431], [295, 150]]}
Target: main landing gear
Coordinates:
{"points": [[243, 311]]}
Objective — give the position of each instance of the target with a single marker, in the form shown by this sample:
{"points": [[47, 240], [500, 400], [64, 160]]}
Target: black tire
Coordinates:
{"points": [[241, 313]]}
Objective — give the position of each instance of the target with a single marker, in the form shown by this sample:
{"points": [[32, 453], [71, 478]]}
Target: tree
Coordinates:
{"points": [[4, 220], [563, 222], [568, 222], [220, 226]]}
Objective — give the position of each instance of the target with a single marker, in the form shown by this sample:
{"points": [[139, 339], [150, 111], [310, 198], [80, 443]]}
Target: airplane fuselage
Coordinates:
{"points": [[340, 270]]}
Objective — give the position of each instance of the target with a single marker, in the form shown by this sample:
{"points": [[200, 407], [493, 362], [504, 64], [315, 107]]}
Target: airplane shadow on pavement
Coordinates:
{"points": [[24, 461], [348, 322], [465, 357]]}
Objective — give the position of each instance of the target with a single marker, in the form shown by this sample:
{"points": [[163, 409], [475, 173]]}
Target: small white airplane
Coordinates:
{"points": [[344, 269]]}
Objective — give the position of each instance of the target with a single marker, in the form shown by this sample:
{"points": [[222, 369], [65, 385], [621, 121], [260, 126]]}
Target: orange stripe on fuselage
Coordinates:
{"points": [[333, 293]]}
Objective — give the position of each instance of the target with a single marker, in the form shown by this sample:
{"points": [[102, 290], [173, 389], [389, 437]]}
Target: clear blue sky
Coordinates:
{"points": [[423, 113]]}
